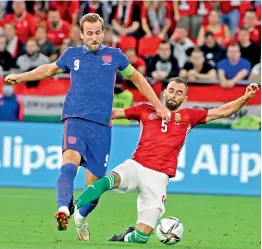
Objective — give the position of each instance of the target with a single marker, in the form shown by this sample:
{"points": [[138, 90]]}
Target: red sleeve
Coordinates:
{"points": [[197, 116], [143, 11], [134, 112], [74, 8]]}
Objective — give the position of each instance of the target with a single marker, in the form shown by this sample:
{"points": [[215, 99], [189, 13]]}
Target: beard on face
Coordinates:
{"points": [[172, 105], [93, 46]]}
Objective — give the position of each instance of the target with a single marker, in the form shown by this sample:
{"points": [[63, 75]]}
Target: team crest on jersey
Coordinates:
{"points": [[107, 58], [72, 140], [152, 116], [177, 118]]}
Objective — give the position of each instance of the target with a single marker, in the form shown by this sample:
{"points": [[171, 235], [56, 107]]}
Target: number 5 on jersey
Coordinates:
{"points": [[164, 126]]}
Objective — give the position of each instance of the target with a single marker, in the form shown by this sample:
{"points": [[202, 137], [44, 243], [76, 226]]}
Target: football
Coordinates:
{"points": [[169, 230]]}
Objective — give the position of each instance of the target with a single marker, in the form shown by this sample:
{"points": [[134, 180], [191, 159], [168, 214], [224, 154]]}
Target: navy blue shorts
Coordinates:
{"points": [[92, 140]]}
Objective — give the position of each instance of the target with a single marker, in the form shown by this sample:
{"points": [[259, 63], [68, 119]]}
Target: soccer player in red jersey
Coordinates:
{"points": [[156, 156]]}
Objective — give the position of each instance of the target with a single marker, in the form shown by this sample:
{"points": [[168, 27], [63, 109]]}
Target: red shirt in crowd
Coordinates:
{"points": [[25, 25], [66, 9], [56, 36], [188, 8]]}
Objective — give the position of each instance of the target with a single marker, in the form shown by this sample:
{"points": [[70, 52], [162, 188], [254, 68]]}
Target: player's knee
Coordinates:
{"points": [[117, 179], [71, 156]]}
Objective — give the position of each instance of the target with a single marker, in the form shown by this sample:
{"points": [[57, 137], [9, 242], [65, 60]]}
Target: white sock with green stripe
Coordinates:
{"points": [[137, 237], [94, 191]]}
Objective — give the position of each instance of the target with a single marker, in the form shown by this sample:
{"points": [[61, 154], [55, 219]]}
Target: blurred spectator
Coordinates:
{"points": [[63, 47], [91, 7], [230, 14], [189, 15], [68, 10], [2, 10], [163, 65], [14, 45], [33, 58], [209, 6], [75, 39], [57, 29], [156, 18], [220, 31], [110, 39], [183, 46], [249, 50], [6, 60], [25, 23], [137, 62], [255, 75], [46, 47], [103, 8], [213, 51], [250, 21], [40, 11], [233, 68], [197, 68], [11, 107], [126, 17]]}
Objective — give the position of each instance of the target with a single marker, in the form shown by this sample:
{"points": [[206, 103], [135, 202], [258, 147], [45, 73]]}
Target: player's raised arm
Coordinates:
{"points": [[143, 86], [230, 108], [41, 72]]}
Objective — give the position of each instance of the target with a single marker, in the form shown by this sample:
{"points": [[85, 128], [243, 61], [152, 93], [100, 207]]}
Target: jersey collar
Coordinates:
{"points": [[85, 49]]}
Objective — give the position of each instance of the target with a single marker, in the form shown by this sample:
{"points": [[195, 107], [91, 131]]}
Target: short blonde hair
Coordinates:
{"points": [[91, 17]]}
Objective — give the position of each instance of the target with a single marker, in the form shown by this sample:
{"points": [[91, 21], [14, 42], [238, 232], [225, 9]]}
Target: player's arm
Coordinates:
{"points": [[118, 114], [128, 71], [42, 72], [230, 108], [131, 113], [142, 85]]}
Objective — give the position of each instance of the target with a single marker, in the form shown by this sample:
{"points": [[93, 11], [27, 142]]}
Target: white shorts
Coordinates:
{"points": [[151, 187]]}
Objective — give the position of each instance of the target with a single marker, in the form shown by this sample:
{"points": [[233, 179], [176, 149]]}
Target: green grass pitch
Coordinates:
{"points": [[211, 222]]}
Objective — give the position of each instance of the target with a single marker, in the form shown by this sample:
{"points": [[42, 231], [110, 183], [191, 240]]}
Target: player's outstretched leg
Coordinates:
{"points": [[65, 187], [94, 191], [139, 235], [89, 201]]}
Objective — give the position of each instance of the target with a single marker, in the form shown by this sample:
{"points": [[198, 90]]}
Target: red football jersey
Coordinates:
{"points": [[160, 142], [25, 25]]}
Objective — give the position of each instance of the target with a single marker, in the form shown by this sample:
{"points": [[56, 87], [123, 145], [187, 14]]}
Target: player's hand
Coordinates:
{"points": [[164, 113], [13, 79], [251, 90]]}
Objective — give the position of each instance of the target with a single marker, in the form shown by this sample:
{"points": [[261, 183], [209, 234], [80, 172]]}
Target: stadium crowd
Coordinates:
{"points": [[198, 40], [216, 41]]}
